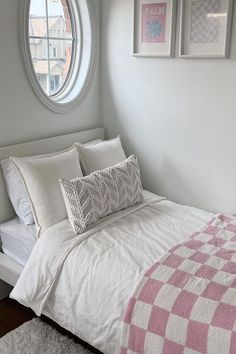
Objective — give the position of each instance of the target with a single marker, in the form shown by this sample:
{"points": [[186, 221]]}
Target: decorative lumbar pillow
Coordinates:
{"points": [[41, 176], [101, 193], [16, 189], [101, 155]]}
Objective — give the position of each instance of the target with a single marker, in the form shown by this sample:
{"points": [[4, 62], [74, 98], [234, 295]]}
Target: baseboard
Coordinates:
{"points": [[5, 289]]}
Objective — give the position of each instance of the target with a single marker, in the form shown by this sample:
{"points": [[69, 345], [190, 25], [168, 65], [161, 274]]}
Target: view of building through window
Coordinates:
{"points": [[51, 41]]}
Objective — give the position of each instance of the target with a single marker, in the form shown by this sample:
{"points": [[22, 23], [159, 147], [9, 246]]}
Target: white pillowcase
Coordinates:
{"points": [[17, 192], [101, 155], [16, 188], [41, 176]]}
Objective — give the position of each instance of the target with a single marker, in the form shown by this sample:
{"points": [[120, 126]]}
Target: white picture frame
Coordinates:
{"points": [[205, 33], [154, 28]]}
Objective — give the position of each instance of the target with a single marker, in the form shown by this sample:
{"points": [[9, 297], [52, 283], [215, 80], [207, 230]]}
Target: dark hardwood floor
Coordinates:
{"points": [[12, 315]]}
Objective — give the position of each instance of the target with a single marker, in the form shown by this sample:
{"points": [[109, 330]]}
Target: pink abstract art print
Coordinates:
{"points": [[153, 23]]}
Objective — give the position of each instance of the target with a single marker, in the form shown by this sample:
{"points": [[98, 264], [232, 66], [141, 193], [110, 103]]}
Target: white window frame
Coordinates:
{"points": [[81, 74]]}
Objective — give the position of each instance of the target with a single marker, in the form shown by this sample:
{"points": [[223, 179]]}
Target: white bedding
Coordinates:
{"points": [[83, 282], [18, 240]]}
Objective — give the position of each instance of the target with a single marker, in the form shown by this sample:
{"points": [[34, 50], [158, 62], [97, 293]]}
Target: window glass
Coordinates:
{"points": [[58, 12], [51, 41], [39, 56]]}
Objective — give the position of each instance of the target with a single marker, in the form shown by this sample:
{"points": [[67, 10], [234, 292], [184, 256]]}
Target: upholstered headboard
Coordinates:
{"points": [[38, 147]]}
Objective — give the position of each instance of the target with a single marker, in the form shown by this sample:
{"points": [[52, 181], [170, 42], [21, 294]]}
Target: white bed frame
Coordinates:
{"points": [[9, 269]]}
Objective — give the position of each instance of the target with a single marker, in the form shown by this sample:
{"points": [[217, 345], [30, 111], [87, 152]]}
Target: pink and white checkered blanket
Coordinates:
{"points": [[186, 302]]}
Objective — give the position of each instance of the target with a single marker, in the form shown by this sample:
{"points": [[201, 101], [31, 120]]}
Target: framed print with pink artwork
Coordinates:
{"points": [[154, 27]]}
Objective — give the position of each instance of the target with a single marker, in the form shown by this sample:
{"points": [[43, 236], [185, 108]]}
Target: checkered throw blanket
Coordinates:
{"points": [[186, 302]]}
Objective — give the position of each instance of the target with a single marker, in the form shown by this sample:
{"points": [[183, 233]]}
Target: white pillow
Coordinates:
{"points": [[101, 155], [16, 188], [17, 192], [41, 176]]}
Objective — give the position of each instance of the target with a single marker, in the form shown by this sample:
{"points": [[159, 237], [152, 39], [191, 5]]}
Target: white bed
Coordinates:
{"points": [[83, 282], [10, 270]]}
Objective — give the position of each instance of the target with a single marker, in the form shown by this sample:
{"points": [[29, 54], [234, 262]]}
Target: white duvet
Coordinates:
{"points": [[83, 282]]}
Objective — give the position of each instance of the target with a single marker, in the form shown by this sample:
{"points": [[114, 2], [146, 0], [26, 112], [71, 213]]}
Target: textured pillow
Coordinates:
{"points": [[16, 189], [41, 176], [101, 193], [101, 155]]}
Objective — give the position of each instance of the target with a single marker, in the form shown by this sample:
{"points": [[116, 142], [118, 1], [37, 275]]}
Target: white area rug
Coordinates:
{"points": [[36, 337]]}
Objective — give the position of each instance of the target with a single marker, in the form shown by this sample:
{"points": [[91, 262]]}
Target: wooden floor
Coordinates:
{"points": [[12, 315]]}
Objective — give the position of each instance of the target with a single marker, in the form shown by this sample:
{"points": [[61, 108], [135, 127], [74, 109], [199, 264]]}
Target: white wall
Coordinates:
{"points": [[22, 115], [178, 115]]}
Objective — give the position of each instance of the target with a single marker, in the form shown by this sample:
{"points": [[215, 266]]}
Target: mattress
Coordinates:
{"points": [[18, 240], [93, 275]]}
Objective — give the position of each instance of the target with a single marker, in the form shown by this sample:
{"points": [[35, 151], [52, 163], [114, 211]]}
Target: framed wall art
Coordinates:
{"points": [[205, 27], [154, 28]]}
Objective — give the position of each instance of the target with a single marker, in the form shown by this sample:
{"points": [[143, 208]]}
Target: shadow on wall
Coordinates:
{"points": [[159, 179]]}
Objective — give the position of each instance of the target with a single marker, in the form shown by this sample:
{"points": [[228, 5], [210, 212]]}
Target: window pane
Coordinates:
{"points": [[37, 19], [38, 49], [60, 61], [59, 21]]}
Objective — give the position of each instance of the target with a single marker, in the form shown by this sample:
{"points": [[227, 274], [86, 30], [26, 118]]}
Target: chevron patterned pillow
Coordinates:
{"points": [[89, 198]]}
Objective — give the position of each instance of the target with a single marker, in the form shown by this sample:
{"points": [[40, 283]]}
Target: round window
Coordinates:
{"points": [[59, 50]]}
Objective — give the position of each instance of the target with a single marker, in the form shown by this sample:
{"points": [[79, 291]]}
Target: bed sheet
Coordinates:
{"points": [[86, 288], [18, 240]]}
